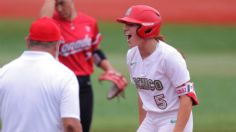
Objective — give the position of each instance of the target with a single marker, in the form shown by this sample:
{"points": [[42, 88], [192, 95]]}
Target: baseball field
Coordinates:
{"points": [[210, 52]]}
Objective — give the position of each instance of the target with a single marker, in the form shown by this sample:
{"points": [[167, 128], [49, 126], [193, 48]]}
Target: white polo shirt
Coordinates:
{"points": [[157, 76], [36, 91]]}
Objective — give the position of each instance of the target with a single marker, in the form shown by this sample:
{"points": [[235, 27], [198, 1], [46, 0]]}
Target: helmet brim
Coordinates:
{"points": [[128, 20]]}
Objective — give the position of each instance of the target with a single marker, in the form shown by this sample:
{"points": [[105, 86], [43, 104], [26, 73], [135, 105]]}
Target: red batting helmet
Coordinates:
{"points": [[147, 17]]}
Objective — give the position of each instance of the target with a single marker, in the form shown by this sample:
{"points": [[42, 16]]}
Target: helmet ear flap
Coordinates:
{"points": [[148, 31], [141, 31]]}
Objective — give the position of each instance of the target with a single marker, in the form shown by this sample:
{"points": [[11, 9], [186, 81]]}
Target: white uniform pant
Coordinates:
{"points": [[166, 123]]}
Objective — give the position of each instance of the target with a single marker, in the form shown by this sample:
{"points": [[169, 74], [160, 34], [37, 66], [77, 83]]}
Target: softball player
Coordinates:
{"points": [[159, 72], [80, 49]]}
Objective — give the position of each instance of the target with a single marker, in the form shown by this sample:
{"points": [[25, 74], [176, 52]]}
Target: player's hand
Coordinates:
{"points": [[119, 83]]}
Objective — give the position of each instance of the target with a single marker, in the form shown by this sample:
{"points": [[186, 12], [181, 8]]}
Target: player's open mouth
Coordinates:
{"points": [[128, 36]]}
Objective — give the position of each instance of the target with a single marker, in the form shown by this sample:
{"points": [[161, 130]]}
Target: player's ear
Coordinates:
{"points": [[27, 40]]}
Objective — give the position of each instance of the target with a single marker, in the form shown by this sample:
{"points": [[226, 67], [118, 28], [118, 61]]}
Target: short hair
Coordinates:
{"points": [[42, 44]]}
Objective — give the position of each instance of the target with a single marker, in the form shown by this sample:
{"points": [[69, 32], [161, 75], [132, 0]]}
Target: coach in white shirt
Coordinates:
{"points": [[38, 93]]}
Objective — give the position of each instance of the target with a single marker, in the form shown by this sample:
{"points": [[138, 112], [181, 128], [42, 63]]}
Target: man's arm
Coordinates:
{"points": [[71, 125], [69, 103], [48, 8]]}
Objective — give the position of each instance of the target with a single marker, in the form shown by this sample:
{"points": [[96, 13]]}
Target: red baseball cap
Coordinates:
{"points": [[44, 29]]}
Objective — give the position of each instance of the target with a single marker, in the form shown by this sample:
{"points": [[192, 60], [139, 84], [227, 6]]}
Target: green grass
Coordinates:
{"points": [[210, 52]]}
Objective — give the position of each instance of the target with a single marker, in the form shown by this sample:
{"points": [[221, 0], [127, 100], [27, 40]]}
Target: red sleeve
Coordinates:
{"points": [[97, 37]]}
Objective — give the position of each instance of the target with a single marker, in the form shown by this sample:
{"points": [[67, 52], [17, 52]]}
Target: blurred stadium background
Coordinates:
{"points": [[203, 29]]}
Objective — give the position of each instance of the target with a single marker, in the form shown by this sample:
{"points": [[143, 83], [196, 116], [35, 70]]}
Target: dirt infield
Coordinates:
{"points": [[187, 11]]}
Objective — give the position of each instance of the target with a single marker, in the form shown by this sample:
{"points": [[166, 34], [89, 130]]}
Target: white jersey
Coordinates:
{"points": [[157, 76], [36, 91]]}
